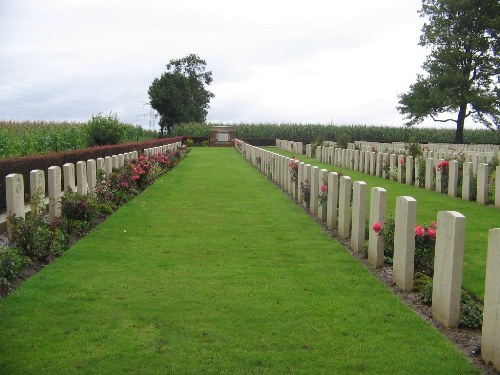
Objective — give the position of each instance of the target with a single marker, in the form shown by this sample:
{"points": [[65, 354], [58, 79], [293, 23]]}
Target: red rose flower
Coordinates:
{"points": [[419, 231], [377, 227]]}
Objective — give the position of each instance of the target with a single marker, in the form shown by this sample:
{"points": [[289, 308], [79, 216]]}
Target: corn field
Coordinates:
{"points": [[313, 132], [28, 138]]}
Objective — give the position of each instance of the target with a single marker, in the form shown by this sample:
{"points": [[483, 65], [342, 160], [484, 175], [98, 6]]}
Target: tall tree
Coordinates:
{"points": [[180, 94], [462, 68]]}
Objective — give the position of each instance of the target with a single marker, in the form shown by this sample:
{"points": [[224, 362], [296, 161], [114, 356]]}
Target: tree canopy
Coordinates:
{"points": [[180, 94], [462, 68]]}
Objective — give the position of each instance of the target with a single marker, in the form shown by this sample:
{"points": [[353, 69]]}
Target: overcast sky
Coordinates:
{"points": [[314, 61]]}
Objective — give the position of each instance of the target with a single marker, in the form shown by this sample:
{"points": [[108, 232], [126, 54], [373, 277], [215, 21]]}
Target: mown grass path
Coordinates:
{"points": [[478, 218], [213, 270]]}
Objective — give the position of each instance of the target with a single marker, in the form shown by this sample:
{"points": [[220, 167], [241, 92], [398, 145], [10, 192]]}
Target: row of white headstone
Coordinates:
{"points": [[435, 147], [339, 214], [290, 146], [373, 163], [85, 182]]}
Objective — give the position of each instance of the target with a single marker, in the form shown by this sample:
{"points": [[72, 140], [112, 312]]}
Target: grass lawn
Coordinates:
{"points": [[478, 218], [213, 270]]}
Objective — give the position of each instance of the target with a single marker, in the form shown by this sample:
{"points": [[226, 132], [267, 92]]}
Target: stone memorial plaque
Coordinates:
{"points": [[223, 137]]}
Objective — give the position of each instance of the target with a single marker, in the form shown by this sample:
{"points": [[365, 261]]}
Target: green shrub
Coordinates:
{"points": [[421, 282], [425, 241], [11, 263], [79, 213], [426, 294], [105, 130], [414, 149], [189, 142], [35, 238], [343, 139], [471, 309]]}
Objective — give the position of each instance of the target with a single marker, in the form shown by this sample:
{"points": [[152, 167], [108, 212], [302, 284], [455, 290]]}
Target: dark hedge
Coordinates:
{"points": [[24, 165]]}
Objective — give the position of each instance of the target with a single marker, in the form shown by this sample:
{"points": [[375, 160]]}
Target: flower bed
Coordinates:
{"points": [[34, 240]]}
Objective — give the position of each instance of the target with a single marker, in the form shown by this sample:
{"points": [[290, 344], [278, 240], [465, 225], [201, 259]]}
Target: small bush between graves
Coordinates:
{"points": [[471, 309], [11, 263], [425, 241], [35, 239]]}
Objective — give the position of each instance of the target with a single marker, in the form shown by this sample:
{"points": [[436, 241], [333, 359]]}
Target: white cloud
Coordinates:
{"points": [[272, 61]]}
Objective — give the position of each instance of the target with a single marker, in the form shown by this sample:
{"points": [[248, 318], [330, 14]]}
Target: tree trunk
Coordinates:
{"points": [[459, 135]]}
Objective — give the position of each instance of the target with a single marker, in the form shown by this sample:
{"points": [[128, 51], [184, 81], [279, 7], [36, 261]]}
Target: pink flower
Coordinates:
{"points": [[402, 161], [442, 165], [431, 232], [377, 227], [135, 177], [419, 231], [124, 184], [324, 188], [434, 224]]}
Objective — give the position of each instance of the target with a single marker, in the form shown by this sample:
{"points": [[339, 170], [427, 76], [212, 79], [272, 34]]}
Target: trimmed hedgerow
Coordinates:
{"points": [[25, 165]]}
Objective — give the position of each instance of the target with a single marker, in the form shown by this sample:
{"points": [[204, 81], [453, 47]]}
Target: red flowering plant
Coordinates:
{"points": [[305, 188], [402, 162], [293, 167], [425, 241], [386, 168], [323, 194], [126, 182], [444, 167], [117, 188]]}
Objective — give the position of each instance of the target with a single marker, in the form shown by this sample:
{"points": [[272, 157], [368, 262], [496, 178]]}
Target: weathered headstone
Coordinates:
{"points": [[409, 170], [401, 162], [392, 166], [82, 186], [482, 183], [448, 267], [404, 242], [429, 174], [344, 219], [490, 340], [333, 200], [100, 164], [300, 179], [69, 177], [37, 190], [378, 164], [54, 185], [313, 207], [91, 175], [466, 180], [115, 162], [14, 187], [358, 215], [108, 165], [453, 178], [378, 206]]}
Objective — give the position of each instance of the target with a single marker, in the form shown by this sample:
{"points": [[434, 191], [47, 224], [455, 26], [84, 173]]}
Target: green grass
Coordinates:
{"points": [[478, 218], [212, 270]]}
